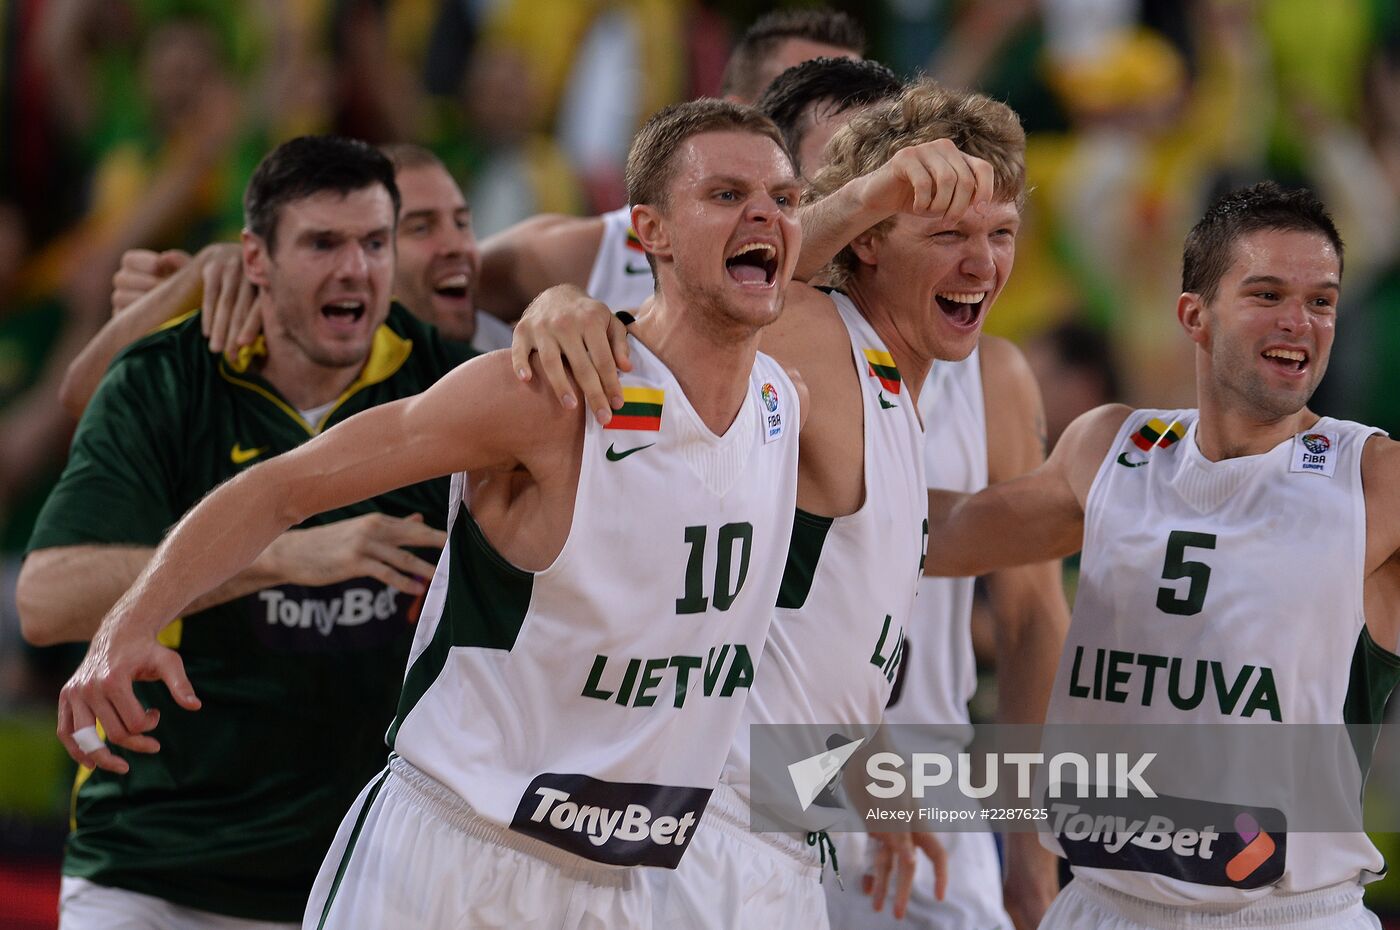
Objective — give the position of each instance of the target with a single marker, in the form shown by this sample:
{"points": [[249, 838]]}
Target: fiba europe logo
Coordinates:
{"points": [[1316, 443], [1258, 845], [770, 400], [773, 419]]}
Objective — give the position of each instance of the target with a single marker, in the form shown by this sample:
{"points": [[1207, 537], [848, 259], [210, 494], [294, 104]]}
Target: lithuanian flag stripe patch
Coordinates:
{"points": [[633, 242], [641, 409], [882, 368], [1157, 433]]}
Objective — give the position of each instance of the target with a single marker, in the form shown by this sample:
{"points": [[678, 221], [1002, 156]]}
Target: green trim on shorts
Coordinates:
{"points": [[350, 847]]}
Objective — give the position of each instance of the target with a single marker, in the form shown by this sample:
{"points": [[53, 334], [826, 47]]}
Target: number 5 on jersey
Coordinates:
{"points": [[1177, 566]]}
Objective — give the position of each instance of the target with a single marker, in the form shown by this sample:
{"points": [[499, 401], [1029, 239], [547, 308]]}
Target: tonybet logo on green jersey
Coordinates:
{"points": [[354, 607], [353, 615]]}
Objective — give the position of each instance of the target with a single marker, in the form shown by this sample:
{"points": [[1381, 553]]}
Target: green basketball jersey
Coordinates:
{"points": [[235, 812]]}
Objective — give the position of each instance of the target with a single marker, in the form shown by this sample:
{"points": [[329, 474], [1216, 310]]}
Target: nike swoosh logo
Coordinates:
{"points": [[619, 456], [239, 455], [1126, 463], [645, 269], [884, 404]]}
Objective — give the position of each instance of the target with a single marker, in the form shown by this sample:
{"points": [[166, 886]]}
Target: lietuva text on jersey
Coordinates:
{"points": [[1119, 677], [724, 669]]}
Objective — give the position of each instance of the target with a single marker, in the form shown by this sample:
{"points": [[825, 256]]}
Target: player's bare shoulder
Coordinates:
{"points": [[808, 329], [810, 338], [514, 424], [1015, 412], [1085, 442], [1004, 364], [804, 395], [1380, 478]]}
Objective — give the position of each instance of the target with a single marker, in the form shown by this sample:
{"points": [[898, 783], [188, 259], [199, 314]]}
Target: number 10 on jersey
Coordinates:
{"points": [[728, 581]]}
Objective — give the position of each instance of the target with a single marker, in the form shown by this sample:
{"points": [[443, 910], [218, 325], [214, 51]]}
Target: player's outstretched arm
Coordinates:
{"points": [[933, 179], [476, 418], [534, 255], [1034, 518]]}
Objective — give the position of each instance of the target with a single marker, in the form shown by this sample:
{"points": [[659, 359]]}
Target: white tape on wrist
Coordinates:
{"points": [[88, 740]]}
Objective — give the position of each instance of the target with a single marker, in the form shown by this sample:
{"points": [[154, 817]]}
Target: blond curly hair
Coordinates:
{"points": [[925, 111]]}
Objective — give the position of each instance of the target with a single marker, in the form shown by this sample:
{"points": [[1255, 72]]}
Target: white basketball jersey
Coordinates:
{"points": [[621, 276], [939, 673], [591, 705], [1223, 593], [837, 640]]}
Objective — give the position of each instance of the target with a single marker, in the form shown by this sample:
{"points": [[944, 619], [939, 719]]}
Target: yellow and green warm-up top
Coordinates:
{"points": [[298, 684]]}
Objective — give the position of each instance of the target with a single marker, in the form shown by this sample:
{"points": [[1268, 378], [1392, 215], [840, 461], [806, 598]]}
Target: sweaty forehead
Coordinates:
{"points": [[1286, 254], [744, 155], [428, 187], [354, 213]]}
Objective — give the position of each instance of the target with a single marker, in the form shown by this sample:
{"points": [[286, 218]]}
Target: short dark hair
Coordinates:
{"points": [[758, 41], [844, 82], [406, 155], [308, 165], [1210, 245]]}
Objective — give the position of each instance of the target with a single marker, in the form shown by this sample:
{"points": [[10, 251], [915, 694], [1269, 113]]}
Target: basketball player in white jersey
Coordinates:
{"points": [[591, 633], [1249, 535], [971, 435], [866, 351], [601, 254], [983, 422], [981, 427]]}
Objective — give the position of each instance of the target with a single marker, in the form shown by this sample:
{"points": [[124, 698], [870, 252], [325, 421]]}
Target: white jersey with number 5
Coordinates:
{"points": [[1224, 593], [590, 705]]}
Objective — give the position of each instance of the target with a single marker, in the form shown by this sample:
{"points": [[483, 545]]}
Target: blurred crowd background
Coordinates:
{"points": [[127, 123]]}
